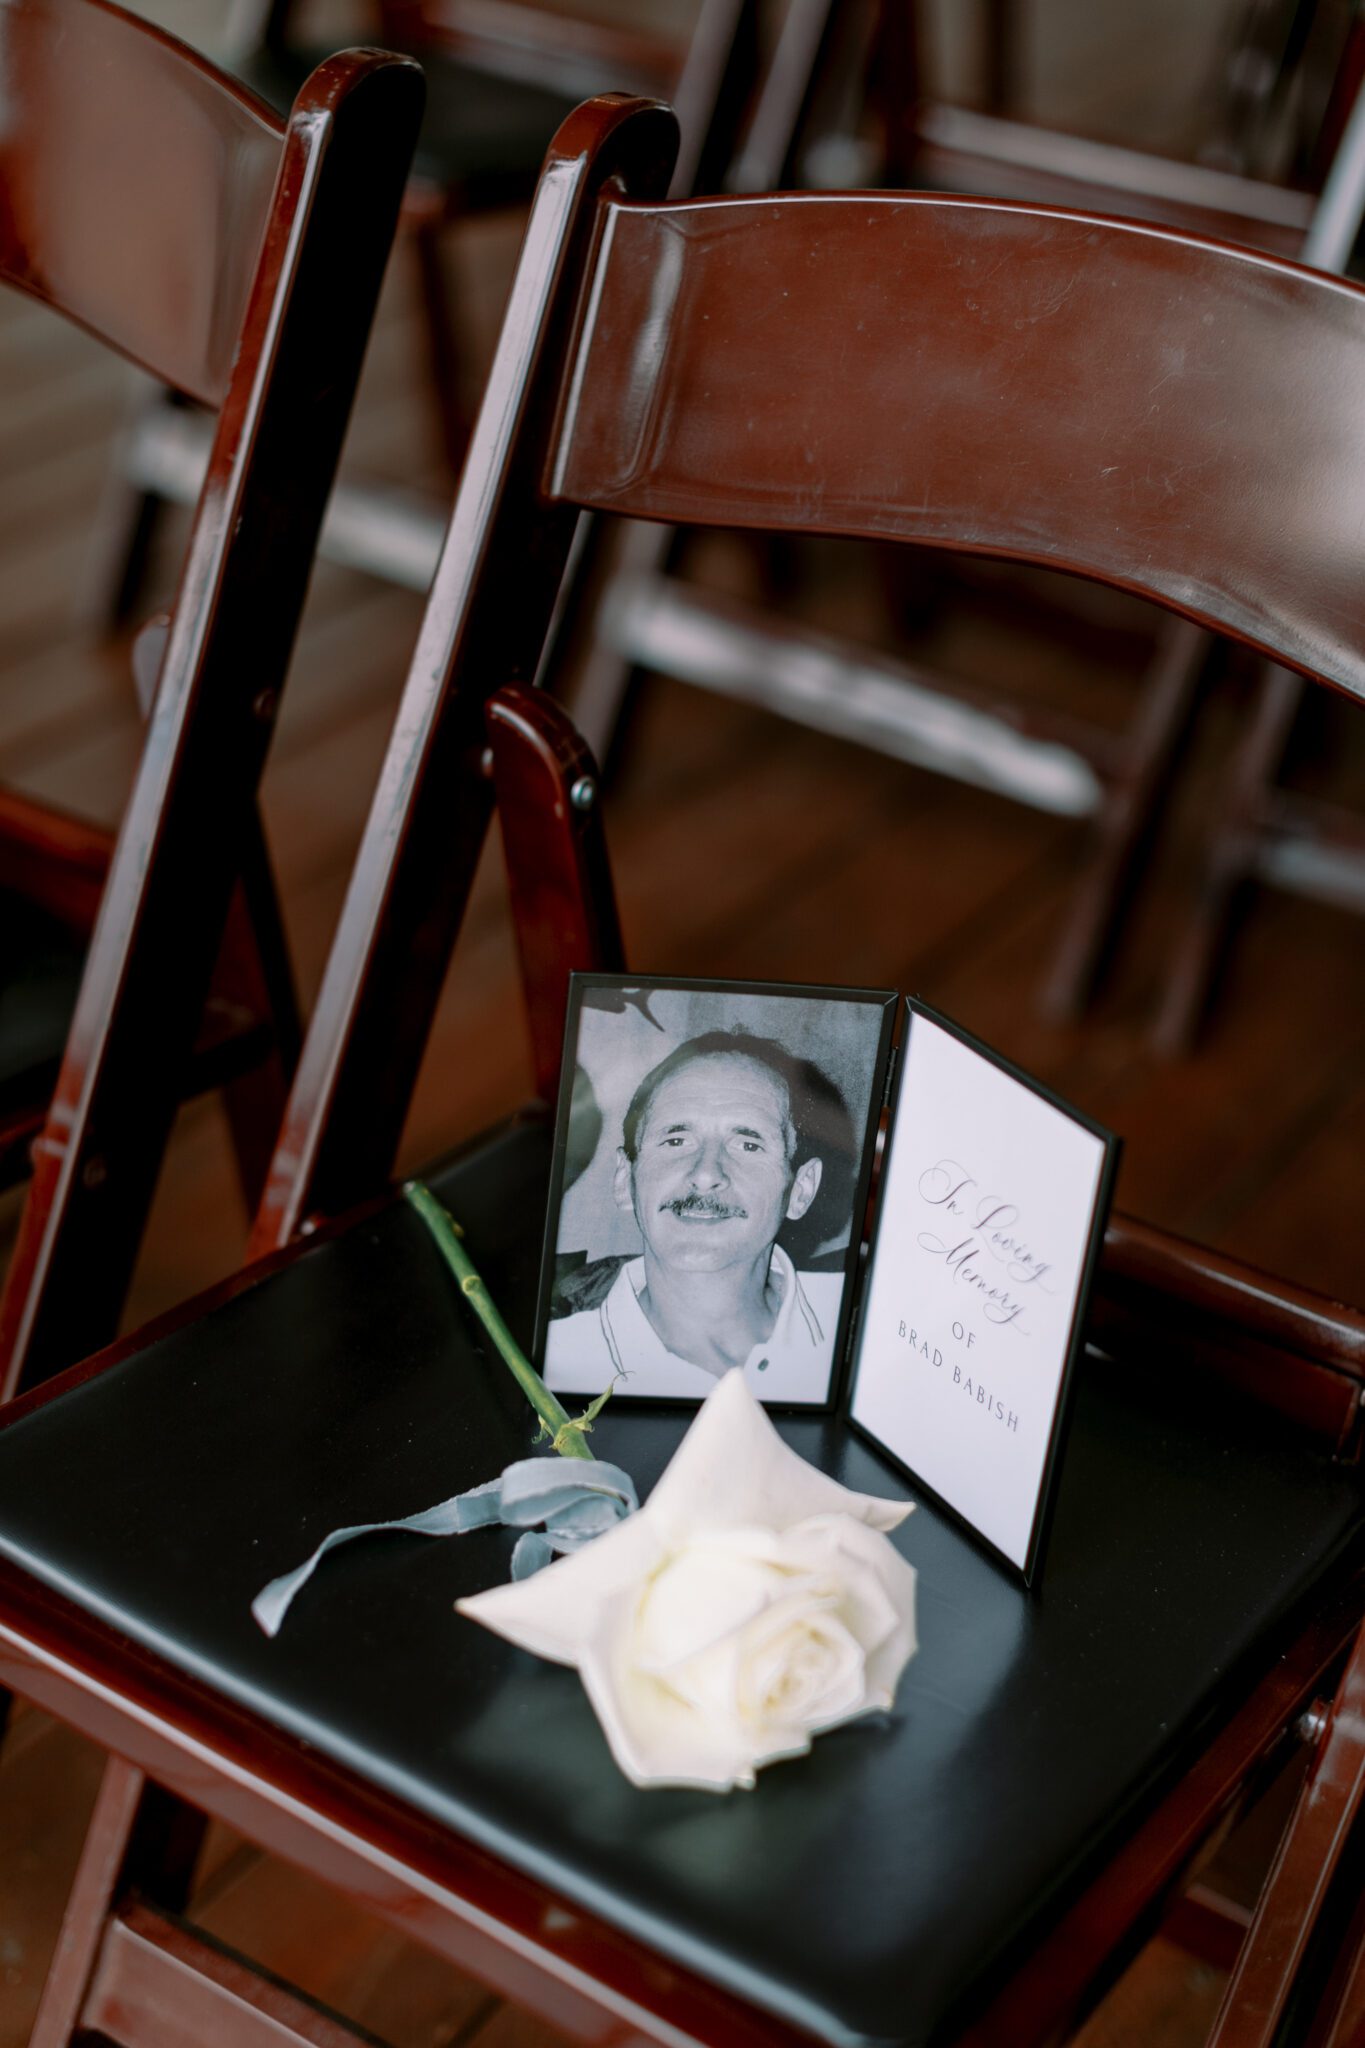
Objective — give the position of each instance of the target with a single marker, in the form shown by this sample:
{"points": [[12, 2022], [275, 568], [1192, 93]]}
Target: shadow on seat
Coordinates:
{"points": [[972, 1869]]}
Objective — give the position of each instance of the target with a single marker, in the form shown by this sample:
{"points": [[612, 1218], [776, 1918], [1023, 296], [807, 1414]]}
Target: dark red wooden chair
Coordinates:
{"points": [[1056, 1764], [1282, 167], [501, 76], [238, 257], [651, 620]]}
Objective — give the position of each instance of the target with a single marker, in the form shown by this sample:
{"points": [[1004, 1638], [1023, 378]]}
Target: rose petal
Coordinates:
{"points": [[705, 1593], [732, 1467], [801, 1668], [876, 1596], [655, 1737], [551, 1613]]}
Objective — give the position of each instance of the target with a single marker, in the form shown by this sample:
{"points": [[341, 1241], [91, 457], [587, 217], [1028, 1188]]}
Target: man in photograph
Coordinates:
{"points": [[721, 1146]]}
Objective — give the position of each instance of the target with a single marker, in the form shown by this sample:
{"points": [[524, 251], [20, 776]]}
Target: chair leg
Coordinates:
{"points": [[559, 875], [127, 1968], [1228, 860], [1312, 1851], [253, 970], [1127, 819], [1000, 56], [139, 1838], [444, 353], [160, 1980], [123, 552], [599, 681], [255, 964], [1345, 2027], [130, 512], [254, 1103]]}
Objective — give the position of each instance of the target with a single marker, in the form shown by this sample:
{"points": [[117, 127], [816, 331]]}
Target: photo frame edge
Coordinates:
{"points": [[888, 1000], [1111, 1152]]}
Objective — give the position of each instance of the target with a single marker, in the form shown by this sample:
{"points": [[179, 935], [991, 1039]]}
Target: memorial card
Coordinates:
{"points": [[990, 1216], [712, 1156]]}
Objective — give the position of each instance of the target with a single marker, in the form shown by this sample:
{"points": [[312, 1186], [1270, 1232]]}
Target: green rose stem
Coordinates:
{"points": [[564, 1431]]}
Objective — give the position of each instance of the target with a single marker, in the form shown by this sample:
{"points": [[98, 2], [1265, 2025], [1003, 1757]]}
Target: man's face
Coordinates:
{"points": [[714, 1178]]}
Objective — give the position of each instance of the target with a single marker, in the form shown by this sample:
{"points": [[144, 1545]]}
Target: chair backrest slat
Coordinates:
{"points": [[1174, 416], [135, 186]]}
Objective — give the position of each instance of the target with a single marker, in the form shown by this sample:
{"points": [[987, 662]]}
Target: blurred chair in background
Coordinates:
{"points": [[501, 75], [1255, 830], [1279, 167], [249, 253], [867, 66]]}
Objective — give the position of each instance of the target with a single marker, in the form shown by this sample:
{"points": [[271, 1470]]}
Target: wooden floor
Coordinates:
{"points": [[744, 847]]}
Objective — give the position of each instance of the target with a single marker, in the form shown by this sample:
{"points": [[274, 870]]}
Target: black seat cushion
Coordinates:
{"points": [[868, 1893], [40, 972], [483, 136]]}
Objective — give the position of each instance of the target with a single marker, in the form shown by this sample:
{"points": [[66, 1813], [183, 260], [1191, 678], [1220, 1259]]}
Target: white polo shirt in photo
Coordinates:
{"points": [[584, 1351]]}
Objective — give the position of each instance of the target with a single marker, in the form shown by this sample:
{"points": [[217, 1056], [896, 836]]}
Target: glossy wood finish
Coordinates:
{"points": [[1270, 1969], [155, 1975], [275, 332], [1034, 386], [249, 1035], [708, 76], [1121, 783], [1293, 1350], [980, 411], [416, 863], [75, 166], [445, 1892], [559, 875], [139, 1835]]}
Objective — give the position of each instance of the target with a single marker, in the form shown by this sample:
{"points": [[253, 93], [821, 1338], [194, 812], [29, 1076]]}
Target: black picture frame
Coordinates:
{"points": [[1111, 1152], [581, 988]]}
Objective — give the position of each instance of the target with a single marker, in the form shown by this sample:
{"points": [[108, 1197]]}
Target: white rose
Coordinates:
{"points": [[751, 1603]]}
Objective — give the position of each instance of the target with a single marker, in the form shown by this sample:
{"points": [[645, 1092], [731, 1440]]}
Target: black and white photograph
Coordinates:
{"points": [[711, 1164]]}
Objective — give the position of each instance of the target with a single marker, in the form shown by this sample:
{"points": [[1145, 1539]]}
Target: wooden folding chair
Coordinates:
{"points": [[1282, 168], [648, 620], [1056, 1764], [239, 258], [501, 76]]}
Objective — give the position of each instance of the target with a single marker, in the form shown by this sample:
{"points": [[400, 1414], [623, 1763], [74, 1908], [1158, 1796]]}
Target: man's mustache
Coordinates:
{"points": [[701, 1205]]}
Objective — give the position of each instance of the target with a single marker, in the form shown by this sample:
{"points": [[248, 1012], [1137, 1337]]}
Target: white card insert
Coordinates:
{"points": [[990, 1206]]}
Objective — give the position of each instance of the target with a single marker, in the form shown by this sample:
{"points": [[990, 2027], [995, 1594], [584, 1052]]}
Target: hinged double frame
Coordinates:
{"points": [[689, 1114]]}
